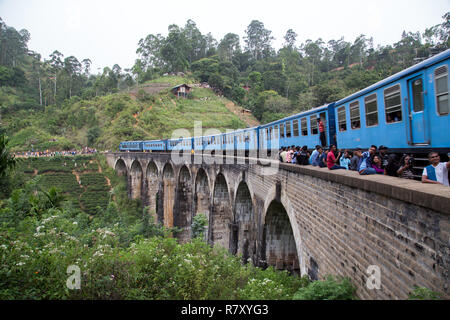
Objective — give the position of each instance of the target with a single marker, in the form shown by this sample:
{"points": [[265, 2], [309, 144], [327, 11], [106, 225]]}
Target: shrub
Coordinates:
{"points": [[328, 289], [423, 293]]}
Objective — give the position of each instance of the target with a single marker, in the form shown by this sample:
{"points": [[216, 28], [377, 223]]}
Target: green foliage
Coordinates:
{"points": [[423, 293], [199, 223], [121, 252], [329, 289], [7, 161]]}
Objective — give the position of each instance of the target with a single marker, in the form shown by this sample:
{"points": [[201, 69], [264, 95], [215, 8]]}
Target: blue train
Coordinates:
{"points": [[408, 112]]}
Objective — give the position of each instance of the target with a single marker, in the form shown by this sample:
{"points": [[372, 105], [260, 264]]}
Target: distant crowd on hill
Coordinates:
{"points": [[48, 153]]}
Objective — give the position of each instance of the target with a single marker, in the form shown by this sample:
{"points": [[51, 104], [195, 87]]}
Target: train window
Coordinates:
{"points": [[276, 132], [393, 104], [355, 118], [441, 78], [341, 119], [270, 133], [288, 129], [304, 126], [295, 127], [313, 124], [281, 130], [417, 92], [370, 103]]}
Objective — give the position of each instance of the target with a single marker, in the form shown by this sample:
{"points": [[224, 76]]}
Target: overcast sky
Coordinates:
{"points": [[108, 31]]}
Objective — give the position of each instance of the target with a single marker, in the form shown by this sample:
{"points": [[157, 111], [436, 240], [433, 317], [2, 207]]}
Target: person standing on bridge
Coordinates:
{"points": [[436, 172], [323, 138]]}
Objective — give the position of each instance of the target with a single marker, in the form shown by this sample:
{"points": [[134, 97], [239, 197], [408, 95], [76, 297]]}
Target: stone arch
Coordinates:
{"points": [[136, 180], [183, 204], [278, 247], [243, 236], [221, 214], [152, 185], [120, 167], [202, 201], [168, 194]]}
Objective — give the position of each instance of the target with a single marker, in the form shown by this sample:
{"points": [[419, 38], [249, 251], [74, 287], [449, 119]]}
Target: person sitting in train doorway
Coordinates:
{"points": [[332, 159], [323, 138], [365, 163], [437, 171]]}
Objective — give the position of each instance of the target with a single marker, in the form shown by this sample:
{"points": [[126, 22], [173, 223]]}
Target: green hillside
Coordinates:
{"points": [[103, 122]]}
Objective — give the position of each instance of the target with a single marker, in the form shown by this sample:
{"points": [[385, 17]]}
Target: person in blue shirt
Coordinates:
{"points": [[365, 163], [344, 161], [314, 154]]}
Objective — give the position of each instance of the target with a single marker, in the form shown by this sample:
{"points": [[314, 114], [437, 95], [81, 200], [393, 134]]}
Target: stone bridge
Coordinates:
{"points": [[304, 219]]}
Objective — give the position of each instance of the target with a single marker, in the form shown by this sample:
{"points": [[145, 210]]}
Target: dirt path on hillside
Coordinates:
{"points": [[77, 176], [246, 117], [108, 181]]}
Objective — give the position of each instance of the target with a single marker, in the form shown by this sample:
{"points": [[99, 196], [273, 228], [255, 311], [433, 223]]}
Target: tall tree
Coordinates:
{"points": [[258, 40], [228, 46], [289, 39]]}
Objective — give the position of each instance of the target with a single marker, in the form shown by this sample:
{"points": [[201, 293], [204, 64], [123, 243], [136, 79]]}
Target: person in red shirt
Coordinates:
{"points": [[332, 160], [323, 138]]}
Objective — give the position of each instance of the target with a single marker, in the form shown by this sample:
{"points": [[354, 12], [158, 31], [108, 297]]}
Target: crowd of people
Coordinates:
{"points": [[375, 160], [49, 153]]}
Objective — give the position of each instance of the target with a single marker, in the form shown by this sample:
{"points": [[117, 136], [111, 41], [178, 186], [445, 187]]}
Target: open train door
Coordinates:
{"points": [[417, 114]]}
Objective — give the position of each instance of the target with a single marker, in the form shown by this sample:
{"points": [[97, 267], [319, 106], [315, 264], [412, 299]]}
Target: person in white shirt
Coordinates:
{"points": [[436, 172]]}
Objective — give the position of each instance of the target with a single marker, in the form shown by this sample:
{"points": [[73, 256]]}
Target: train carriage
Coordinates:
{"points": [[130, 146], [408, 111], [212, 143], [154, 145], [299, 130]]}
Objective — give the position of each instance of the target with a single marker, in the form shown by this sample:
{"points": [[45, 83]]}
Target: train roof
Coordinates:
{"points": [[301, 114], [424, 64]]}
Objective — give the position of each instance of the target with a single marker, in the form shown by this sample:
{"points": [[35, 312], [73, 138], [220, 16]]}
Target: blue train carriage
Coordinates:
{"points": [[408, 112], [212, 143], [186, 145], [130, 146], [154, 145], [246, 140], [228, 143], [300, 129], [198, 144], [174, 144]]}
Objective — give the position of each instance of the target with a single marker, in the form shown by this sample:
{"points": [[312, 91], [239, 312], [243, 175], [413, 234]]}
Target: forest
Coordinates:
{"points": [[271, 83]]}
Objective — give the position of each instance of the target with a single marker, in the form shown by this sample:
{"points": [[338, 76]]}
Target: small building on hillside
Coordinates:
{"points": [[181, 90]]}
